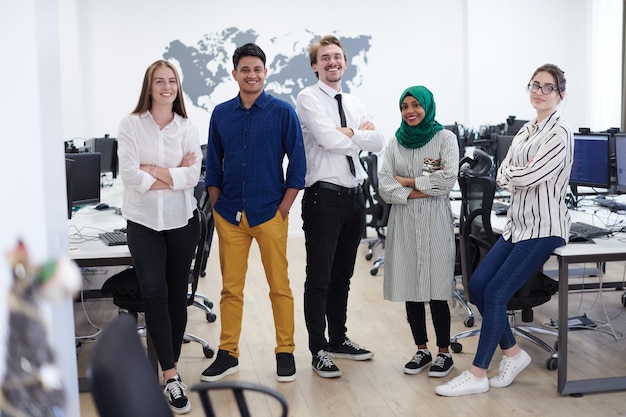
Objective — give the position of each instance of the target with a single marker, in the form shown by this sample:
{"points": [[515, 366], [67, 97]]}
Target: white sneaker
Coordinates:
{"points": [[464, 384], [509, 368]]}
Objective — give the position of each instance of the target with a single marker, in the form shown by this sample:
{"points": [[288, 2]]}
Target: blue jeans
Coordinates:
{"points": [[505, 269]]}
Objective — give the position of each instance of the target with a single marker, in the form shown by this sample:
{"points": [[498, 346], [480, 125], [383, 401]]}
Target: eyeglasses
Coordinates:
{"points": [[546, 89]]}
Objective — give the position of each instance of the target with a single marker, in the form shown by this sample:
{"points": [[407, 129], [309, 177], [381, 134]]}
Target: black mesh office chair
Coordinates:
{"points": [[124, 288], [377, 211], [239, 389], [476, 237], [123, 382]]}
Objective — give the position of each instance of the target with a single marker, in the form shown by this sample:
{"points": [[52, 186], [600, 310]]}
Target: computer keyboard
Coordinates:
{"points": [[114, 238], [499, 207], [588, 230], [609, 203]]}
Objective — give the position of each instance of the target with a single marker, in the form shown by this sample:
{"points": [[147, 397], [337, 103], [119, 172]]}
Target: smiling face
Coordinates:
{"points": [[164, 86], [544, 104], [412, 111], [330, 65], [250, 74]]}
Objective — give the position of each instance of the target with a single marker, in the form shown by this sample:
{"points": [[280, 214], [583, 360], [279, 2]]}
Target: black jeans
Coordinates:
{"points": [[162, 262], [333, 225], [440, 313]]}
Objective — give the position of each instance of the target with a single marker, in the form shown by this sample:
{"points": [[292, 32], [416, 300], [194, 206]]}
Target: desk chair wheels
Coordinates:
{"points": [[380, 261], [204, 304], [459, 297], [207, 350]]}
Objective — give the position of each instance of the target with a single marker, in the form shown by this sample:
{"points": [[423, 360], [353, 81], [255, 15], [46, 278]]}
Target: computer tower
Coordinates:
{"points": [[107, 148]]}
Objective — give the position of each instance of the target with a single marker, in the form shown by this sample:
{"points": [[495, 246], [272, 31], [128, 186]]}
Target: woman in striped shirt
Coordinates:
{"points": [[536, 172], [419, 169]]}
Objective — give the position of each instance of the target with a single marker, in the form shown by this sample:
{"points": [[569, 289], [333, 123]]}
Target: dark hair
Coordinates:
{"points": [[557, 73], [249, 49], [145, 98], [326, 40]]}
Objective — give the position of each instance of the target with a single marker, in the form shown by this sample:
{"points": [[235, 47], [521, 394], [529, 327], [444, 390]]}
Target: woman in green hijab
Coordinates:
{"points": [[419, 169]]}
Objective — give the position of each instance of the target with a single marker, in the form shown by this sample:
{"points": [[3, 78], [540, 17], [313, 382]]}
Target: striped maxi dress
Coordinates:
{"points": [[420, 247]]}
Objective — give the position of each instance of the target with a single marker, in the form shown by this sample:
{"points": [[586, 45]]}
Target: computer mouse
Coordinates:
{"points": [[580, 239], [102, 206]]}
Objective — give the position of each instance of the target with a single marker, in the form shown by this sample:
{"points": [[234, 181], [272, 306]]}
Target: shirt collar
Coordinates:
{"points": [[261, 100], [177, 117], [328, 90]]}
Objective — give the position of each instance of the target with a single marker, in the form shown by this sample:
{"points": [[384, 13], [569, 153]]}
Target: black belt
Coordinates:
{"points": [[329, 186]]}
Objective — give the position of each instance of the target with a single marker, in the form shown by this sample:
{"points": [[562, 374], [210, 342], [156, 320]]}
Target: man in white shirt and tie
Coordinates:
{"points": [[335, 128]]}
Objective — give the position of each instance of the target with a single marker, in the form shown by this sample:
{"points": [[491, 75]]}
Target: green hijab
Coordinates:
{"points": [[413, 137]]}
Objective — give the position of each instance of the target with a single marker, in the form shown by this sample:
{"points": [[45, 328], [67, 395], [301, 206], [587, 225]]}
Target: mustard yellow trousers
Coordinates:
{"points": [[234, 247]]}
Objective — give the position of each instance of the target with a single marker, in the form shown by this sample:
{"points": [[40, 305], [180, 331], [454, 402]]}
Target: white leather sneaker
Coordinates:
{"points": [[509, 368], [464, 384]]}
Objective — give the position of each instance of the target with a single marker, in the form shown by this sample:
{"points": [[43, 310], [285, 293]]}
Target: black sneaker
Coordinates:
{"points": [[174, 391], [223, 365], [324, 365], [441, 366], [350, 350], [285, 367], [418, 362]]}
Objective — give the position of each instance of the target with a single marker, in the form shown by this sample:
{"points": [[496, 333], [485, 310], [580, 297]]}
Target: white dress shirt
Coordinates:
{"points": [[326, 148], [141, 142]]}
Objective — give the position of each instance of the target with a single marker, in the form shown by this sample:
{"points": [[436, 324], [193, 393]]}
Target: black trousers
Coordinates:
{"points": [[162, 262], [333, 225], [440, 313]]}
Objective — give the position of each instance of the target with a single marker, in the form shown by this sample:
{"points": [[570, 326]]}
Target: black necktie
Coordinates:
{"points": [[342, 118]]}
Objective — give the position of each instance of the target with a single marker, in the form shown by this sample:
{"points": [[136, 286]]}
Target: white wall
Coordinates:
{"points": [[477, 56]]}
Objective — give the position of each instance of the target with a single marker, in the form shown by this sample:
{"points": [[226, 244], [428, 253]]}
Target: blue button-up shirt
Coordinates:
{"points": [[245, 155]]}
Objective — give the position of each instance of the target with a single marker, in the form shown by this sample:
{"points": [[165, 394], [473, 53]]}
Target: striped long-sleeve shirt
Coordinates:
{"points": [[536, 171]]}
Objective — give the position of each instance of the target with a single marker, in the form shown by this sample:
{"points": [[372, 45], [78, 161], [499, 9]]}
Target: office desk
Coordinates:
{"points": [[91, 251], [605, 250]]}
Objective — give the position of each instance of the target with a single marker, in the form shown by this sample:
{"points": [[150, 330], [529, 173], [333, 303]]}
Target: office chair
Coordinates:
{"points": [[204, 204], [124, 288], [458, 294], [122, 379], [476, 237], [238, 389], [377, 211]]}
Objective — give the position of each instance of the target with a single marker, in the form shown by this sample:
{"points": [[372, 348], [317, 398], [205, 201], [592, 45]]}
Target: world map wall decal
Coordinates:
{"points": [[206, 66]]}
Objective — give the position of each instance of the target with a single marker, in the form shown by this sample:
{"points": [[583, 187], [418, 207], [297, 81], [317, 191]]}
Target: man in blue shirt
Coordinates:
{"points": [[249, 137]]}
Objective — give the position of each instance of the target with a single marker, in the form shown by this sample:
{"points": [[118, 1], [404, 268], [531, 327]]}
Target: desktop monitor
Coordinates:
{"points": [[503, 143], [107, 147], [620, 161], [592, 161], [86, 178], [513, 125], [69, 185]]}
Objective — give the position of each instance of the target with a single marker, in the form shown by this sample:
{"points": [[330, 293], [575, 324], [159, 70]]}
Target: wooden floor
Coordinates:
{"points": [[379, 387]]}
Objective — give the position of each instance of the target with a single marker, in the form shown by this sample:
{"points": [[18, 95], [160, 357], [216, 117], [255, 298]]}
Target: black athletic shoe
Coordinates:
{"points": [[350, 350], [418, 362], [174, 391], [441, 366], [285, 367], [324, 366], [223, 365]]}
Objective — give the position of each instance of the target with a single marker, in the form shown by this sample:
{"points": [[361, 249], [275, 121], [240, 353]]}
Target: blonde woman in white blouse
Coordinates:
{"points": [[536, 172], [160, 160]]}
